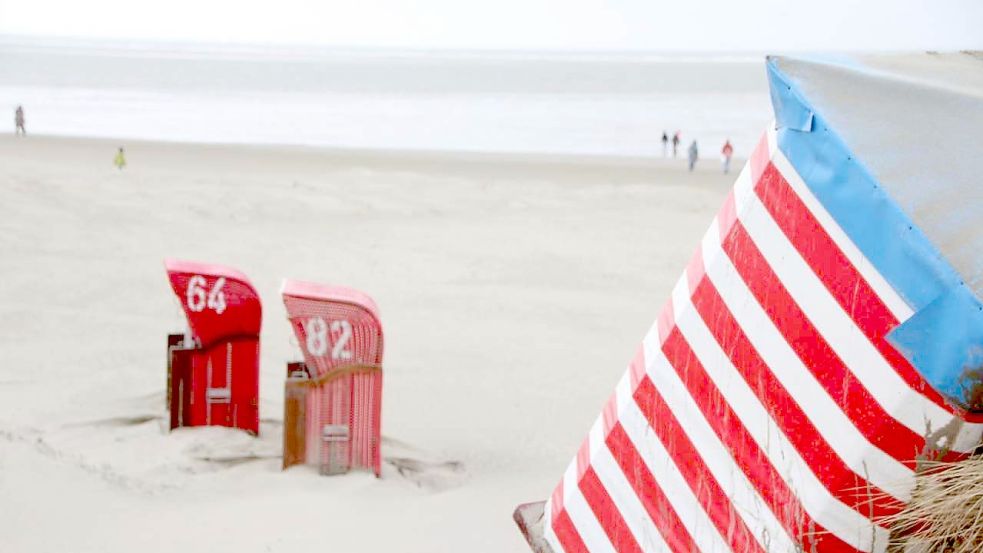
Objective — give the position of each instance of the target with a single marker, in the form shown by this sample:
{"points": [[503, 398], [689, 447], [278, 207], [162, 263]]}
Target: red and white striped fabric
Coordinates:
{"points": [[338, 328], [765, 410]]}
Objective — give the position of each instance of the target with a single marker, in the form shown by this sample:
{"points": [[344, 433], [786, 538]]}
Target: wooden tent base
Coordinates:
{"points": [[529, 517]]}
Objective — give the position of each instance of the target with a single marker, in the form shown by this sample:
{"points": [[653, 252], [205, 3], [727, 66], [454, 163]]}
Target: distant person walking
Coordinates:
{"points": [[665, 144], [19, 121], [727, 152], [675, 143], [120, 160], [694, 154]]}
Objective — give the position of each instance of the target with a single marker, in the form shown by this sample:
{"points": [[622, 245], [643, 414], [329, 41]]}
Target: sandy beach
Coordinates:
{"points": [[513, 292]]}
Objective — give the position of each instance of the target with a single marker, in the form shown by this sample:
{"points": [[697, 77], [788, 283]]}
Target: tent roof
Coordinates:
{"points": [[914, 121]]}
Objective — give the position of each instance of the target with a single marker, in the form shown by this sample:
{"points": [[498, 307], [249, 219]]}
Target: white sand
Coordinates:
{"points": [[513, 293]]}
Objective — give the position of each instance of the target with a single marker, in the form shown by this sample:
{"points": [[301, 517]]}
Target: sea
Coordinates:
{"points": [[556, 103]]}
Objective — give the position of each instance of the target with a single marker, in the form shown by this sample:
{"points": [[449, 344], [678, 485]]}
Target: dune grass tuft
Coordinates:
{"points": [[945, 514]]}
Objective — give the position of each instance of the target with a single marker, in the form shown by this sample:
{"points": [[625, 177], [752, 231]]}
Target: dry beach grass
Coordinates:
{"points": [[945, 514]]}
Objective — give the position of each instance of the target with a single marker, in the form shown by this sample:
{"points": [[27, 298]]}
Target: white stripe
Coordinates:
{"points": [[741, 493], [885, 385], [642, 528], [968, 435], [866, 461], [825, 509], [771, 134], [666, 474], [581, 514]]}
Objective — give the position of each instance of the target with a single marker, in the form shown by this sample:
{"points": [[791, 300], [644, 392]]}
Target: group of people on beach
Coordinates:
{"points": [[693, 152]]}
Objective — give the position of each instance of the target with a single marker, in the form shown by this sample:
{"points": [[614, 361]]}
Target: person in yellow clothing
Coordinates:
{"points": [[120, 160]]}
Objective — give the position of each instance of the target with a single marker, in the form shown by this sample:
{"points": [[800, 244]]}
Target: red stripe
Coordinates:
{"points": [[880, 428], [566, 532], [583, 457], [556, 500], [695, 269], [822, 459], [707, 490], [728, 213], [839, 276], [746, 452], [656, 504], [610, 413], [607, 513], [637, 367], [666, 321], [759, 158]]}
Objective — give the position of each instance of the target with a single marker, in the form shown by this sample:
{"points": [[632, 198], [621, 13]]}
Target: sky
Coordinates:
{"points": [[611, 25]]}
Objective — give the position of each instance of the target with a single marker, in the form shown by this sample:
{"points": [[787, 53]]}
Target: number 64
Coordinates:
{"points": [[195, 295]]}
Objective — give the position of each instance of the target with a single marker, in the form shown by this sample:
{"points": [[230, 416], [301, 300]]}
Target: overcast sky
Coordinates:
{"points": [[710, 25]]}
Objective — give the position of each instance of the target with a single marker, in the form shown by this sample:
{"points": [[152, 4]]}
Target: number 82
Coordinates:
{"points": [[318, 339]]}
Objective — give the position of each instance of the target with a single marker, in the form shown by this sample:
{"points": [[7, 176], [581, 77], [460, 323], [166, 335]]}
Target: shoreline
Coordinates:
{"points": [[593, 167]]}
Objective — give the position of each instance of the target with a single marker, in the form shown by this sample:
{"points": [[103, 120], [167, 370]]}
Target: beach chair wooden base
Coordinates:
{"points": [[529, 517]]}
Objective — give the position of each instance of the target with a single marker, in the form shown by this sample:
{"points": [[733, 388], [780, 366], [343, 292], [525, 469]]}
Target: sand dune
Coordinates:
{"points": [[513, 291]]}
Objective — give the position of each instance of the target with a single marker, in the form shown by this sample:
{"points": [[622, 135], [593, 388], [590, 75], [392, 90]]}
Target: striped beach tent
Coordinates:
{"points": [[825, 338]]}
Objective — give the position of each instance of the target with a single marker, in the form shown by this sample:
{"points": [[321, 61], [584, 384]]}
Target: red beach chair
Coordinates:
{"points": [[333, 400], [213, 370]]}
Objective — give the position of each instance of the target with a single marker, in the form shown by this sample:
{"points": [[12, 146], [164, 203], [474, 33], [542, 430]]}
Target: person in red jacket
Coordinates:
{"points": [[726, 153]]}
